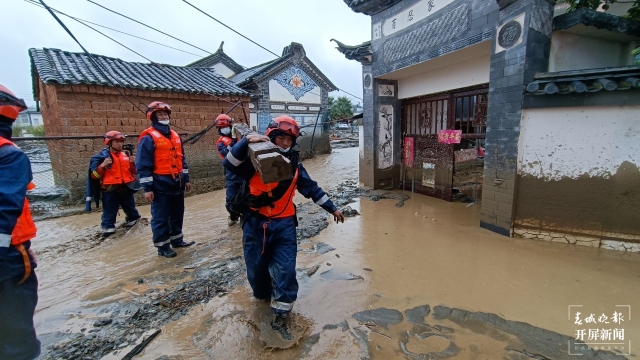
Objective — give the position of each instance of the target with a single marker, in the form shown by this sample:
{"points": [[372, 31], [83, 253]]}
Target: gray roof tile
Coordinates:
{"points": [[62, 67]]}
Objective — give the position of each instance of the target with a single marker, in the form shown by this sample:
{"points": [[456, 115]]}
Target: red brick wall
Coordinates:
{"points": [[76, 110]]}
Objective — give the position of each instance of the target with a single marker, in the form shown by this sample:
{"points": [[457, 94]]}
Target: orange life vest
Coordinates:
{"points": [[282, 207], [25, 228], [120, 170], [168, 153], [226, 141]]}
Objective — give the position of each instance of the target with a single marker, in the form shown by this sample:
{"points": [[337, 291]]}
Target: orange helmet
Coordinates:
{"points": [[157, 106], [10, 105], [286, 124], [223, 120], [113, 135]]}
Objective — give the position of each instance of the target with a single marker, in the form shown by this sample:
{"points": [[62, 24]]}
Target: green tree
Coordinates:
{"points": [[16, 130], [632, 13], [37, 130], [341, 108]]}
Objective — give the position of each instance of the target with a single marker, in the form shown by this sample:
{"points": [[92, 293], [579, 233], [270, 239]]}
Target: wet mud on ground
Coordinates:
{"points": [[405, 277]]}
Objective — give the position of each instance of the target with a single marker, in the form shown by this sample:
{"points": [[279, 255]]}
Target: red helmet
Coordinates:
{"points": [[286, 124], [113, 135], [10, 105], [223, 120], [157, 106]]}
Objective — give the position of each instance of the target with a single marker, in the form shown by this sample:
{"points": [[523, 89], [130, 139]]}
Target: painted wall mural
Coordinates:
{"points": [[296, 81], [385, 136]]}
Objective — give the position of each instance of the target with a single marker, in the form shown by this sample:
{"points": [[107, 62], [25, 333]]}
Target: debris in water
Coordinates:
{"points": [[189, 267], [102, 322], [140, 281], [313, 270], [348, 211], [366, 269], [338, 256], [382, 316]]}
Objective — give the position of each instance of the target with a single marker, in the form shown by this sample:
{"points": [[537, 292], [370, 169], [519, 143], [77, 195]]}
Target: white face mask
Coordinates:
{"points": [[164, 122], [226, 131], [283, 150]]}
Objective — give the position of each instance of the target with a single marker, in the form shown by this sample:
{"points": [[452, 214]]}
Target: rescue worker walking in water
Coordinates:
{"points": [[232, 182], [164, 175], [269, 221], [18, 282], [116, 172]]}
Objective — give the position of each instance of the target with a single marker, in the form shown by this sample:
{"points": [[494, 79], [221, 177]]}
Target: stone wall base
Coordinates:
{"points": [[631, 245]]}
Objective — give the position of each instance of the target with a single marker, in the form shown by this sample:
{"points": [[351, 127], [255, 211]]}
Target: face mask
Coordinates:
{"points": [[164, 122], [283, 150], [226, 131]]}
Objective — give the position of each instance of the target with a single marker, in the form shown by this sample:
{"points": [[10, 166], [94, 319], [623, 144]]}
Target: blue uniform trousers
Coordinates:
{"points": [[17, 305], [167, 214], [272, 274], [233, 184], [112, 201]]}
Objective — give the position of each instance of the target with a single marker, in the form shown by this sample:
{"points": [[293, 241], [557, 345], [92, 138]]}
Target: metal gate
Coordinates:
{"points": [[428, 165]]}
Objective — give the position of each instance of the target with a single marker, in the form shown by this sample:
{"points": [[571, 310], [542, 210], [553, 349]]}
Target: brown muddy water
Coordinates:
{"points": [[421, 281]]}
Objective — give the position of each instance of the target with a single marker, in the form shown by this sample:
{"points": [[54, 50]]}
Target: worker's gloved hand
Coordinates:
{"points": [[187, 186], [132, 159], [338, 217], [254, 138], [149, 196]]}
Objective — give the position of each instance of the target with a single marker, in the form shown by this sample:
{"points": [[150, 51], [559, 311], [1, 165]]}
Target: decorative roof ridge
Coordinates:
{"points": [[598, 20], [361, 53], [218, 55], [587, 80]]}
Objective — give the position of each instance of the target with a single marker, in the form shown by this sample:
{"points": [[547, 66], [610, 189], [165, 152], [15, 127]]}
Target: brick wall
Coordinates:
{"points": [[72, 110]]}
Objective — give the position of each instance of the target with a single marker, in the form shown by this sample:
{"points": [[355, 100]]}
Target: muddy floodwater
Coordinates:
{"points": [[416, 281]]}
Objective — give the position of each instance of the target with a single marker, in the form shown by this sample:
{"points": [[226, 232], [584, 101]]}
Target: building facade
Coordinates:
{"points": [[473, 96], [76, 100], [289, 85]]}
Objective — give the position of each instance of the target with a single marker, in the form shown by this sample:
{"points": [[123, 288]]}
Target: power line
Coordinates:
{"points": [[33, 2], [150, 27], [91, 58], [228, 27]]}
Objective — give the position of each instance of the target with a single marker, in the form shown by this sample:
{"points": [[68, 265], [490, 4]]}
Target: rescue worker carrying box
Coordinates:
{"points": [[269, 219]]}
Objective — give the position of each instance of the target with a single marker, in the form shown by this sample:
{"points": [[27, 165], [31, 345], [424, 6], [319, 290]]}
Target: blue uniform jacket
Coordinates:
{"points": [[224, 150], [15, 175], [165, 184], [94, 186], [238, 163]]}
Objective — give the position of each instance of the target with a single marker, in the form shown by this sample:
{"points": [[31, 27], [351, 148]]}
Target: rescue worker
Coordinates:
{"points": [[164, 175], [18, 281], [269, 220], [232, 182], [116, 172]]}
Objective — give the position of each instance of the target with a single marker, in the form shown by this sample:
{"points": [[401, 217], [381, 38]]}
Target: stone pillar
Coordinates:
{"points": [[367, 158], [386, 135], [521, 43]]}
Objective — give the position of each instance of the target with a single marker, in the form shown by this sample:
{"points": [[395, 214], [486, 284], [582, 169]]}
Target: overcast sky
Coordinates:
{"points": [[273, 24]]}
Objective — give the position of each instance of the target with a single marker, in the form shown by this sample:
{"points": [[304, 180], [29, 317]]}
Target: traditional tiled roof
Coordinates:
{"points": [[598, 20], [55, 66], [218, 57], [294, 50], [370, 7], [361, 53], [586, 81]]}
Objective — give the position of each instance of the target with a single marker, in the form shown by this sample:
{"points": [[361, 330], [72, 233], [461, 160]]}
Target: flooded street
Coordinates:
{"points": [[421, 281]]}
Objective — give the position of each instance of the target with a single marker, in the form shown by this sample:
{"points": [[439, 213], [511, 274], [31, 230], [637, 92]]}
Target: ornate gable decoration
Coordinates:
{"points": [[296, 81]]}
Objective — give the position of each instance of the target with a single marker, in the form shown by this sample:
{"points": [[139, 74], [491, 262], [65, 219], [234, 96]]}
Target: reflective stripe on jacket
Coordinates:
{"points": [[280, 208], [168, 152], [25, 228]]}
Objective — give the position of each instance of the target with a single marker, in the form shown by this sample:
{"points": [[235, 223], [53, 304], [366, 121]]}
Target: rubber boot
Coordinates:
{"points": [[281, 325], [166, 251]]}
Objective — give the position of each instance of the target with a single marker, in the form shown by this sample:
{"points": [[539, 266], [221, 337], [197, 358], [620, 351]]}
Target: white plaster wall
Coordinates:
{"points": [[278, 93], [223, 70], [473, 71], [575, 52], [559, 142], [253, 121], [36, 120]]}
